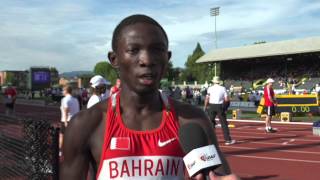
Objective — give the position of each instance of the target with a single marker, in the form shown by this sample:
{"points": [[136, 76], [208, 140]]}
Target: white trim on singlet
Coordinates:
{"points": [[114, 100]]}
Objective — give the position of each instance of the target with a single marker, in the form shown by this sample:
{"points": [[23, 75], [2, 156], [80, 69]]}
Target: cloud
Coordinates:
{"points": [[75, 35]]}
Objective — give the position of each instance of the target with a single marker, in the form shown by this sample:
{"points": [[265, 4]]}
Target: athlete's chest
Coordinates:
{"points": [[148, 155], [123, 145], [142, 122]]}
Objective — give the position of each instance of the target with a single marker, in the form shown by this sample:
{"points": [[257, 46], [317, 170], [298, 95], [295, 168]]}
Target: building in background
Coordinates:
{"points": [[17, 79], [36, 78]]}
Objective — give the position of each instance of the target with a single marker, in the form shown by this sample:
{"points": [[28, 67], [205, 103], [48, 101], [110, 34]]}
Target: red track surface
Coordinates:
{"points": [[50, 113], [292, 153]]}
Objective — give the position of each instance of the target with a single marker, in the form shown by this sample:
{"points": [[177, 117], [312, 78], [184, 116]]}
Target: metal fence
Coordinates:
{"points": [[29, 149]]}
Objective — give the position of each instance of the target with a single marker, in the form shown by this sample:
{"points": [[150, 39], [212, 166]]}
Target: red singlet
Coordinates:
{"points": [[130, 154], [268, 94]]}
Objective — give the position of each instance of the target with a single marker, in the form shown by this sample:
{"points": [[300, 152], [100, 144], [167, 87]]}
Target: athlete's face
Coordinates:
{"points": [[142, 56]]}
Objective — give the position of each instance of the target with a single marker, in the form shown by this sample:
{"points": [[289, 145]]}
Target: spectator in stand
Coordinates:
{"points": [[184, 95], [270, 103], [10, 94], [189, 95], [252, 97], [116, 87], [317, 88], [99, 90], [197, 95], [78, 96], [84, 95], [203, 94], [177, 93], [257, 99]]}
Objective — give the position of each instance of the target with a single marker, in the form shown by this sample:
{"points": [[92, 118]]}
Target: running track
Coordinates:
{"points": [[292, 153]]}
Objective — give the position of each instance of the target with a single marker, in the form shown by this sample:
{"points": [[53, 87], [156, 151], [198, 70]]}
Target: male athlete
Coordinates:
{"points": [[270, 103], [134, 133]]}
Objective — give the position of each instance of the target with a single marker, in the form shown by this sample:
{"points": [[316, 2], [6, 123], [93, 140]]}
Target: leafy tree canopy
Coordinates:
{"points": [[105, 69], [196, 71]]}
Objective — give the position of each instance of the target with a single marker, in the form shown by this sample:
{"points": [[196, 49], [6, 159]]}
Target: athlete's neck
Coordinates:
{"points": [[140, 102]]}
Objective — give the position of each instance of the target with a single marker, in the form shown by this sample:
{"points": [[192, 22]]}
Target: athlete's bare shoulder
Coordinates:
{"points": [[85, 124], [78, 144]]}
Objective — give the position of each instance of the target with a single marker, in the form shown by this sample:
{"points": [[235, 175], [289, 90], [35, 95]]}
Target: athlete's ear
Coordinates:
{"points": [[113, 59], [165, 69]]}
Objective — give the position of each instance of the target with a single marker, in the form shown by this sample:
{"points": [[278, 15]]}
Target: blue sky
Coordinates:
{"points": [[75, 35]]}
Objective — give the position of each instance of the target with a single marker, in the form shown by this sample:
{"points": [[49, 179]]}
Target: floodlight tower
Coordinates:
{"points": [[215, 12]]}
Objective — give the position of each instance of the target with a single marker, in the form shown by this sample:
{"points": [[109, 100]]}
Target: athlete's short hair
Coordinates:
{"points": [[131, 20], [68, 88]]}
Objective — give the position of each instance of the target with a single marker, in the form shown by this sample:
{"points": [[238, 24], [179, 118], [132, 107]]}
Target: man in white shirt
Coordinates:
{"points": [[69, 107], [99, 90], [216, 98]]}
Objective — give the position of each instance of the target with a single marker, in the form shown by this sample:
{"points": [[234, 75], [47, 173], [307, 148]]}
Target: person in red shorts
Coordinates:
{"points": [[134, 133], [10, 94], [270, 103]]}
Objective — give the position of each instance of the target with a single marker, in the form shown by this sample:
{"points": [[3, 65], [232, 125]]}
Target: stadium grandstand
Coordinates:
{"points": [[291, 62]]}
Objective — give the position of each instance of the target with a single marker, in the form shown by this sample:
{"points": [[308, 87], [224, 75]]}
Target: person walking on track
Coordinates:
{"points": [[10, 96], [216, 99]]}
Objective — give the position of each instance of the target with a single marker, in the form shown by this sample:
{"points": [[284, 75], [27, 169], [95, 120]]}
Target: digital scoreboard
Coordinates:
{"points": [[40, 78], [294, 104]]}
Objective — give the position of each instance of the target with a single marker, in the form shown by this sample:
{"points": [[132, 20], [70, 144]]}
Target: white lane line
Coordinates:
{"points": [[252, 140], [270, 143], [263, 128], [254, 128], [254, 137], [305, 140], [288, 151], [275, 122], [280, 159], [279, 134], [287, 142], [244, 127]]}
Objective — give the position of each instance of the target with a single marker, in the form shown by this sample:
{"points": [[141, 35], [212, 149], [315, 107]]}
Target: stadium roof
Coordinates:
{"points": [[288, 47]]}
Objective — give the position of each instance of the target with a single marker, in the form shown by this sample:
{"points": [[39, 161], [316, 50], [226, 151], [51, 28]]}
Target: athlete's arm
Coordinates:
{"points": [[65, 116], [226, 96], [206, 102], [76, 161], [189, 114], [76, 148], [206, 99]]}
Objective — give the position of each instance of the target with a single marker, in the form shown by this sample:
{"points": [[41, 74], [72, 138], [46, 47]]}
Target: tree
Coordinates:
{"points": [[260, 42], [196, 71], [105, 69], [54, 76], [169, 73], [85, 79], [10, 78]]}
